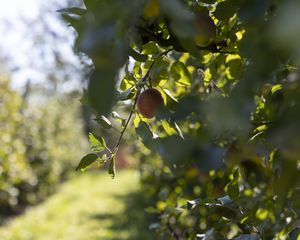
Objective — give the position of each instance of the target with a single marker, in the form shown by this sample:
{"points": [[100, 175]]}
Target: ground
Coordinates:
{"points": [[91, 206]]}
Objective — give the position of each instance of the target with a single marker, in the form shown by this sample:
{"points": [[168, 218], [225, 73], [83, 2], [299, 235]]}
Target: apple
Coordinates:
{"points": [[149, 101], [206, 30]]}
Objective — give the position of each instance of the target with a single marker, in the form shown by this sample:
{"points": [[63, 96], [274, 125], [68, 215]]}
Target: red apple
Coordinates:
{"points": [[149, 101]]}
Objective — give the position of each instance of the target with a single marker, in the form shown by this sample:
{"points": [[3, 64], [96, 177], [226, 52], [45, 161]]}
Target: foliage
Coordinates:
{"points": [[221, 160], [37, 146]]}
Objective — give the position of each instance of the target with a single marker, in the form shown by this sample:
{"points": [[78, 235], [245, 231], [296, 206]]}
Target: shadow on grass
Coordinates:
{"points": [[132, 220]]}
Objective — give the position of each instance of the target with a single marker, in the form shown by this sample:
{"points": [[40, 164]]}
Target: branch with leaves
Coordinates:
{"points": [[101, 152]]}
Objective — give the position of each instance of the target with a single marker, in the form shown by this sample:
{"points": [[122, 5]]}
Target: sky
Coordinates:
{"points": [[31, 32]]}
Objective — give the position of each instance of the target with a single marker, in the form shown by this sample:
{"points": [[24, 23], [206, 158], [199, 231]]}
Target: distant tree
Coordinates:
{"points": [[39, 145]]}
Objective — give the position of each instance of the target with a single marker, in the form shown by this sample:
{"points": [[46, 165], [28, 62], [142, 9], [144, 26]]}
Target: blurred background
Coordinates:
{"points": [[41, 127]]}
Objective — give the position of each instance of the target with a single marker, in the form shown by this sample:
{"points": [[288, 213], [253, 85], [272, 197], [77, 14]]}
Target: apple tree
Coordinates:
{"points": [[206, 93]]}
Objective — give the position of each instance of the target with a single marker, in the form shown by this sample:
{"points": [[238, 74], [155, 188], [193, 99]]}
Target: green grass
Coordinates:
{"points": [[88, 207]]}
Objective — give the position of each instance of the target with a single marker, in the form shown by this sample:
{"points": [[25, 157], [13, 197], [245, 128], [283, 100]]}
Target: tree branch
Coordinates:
{"points": [[125, 127]]}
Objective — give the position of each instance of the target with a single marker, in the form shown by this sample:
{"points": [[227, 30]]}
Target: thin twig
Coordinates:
{"points": [[152, 64], [126, 124], [148, 72]]}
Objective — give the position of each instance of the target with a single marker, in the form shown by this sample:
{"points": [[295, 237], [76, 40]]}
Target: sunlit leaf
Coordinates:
{"points": [[112, 167], [169, 94], [97, 143], [168, 128], [86, 161], [180, 73]]}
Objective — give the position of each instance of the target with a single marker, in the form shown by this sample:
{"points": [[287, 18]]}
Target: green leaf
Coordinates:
{"points": [[144, 132], [168, 93], [150, 48], [168, 128], [72, 20], [234, 68], [137, 56], [232, 188], [104, 122], [224, 11], [127, 94], [253, 10], [89, 3], [159, 70], [97, 143], [171, 128], [112, 167], [201, 9], [128, 81], [181, 74], [86, 161], [137, 70], [178, 130], [101, 90]]}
